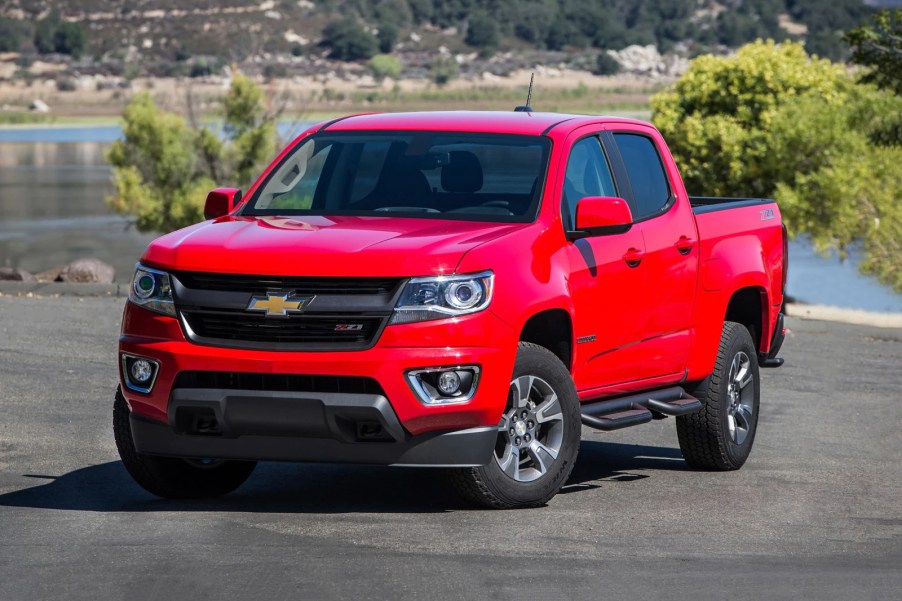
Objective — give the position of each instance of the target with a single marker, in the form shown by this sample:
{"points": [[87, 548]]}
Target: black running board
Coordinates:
{"points": [[635, 409]]}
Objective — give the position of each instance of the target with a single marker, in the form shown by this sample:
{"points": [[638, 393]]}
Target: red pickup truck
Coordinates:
{"points": [[453, 289]]}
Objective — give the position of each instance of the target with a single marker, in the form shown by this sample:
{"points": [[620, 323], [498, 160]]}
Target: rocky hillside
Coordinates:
{"points": [[275, 38]]}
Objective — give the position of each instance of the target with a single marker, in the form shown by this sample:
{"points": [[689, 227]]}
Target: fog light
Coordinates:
{"points": [[444, 385], [448, 383], [139, 373]]}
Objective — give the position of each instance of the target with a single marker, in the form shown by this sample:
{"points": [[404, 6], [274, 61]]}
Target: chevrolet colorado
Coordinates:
{"points": [[453, 289]]}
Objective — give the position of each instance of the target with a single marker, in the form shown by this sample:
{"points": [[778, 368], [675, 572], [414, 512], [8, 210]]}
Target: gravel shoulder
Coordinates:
{"points": [[814, 513]]}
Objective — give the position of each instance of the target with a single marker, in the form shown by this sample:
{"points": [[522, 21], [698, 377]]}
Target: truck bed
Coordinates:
{"points": [[708, 204]]}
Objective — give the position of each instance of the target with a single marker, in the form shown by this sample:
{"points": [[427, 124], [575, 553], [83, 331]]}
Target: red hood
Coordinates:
{"points": [[322, 246]]}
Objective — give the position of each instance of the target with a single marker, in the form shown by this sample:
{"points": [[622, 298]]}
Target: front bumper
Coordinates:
{"points": [[283, 426], [302, 426]]}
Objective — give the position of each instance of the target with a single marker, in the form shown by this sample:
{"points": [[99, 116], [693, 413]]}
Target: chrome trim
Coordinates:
{"points": [[123, 357], [426, 399]]}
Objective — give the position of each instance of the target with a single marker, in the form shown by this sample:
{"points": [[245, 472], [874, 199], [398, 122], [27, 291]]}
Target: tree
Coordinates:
{"points": [[482, 32], [69, 38], [163, 167], [772, 121], [879, 47], [10, 35], [43, 35], [387, 37], [348, 41]]}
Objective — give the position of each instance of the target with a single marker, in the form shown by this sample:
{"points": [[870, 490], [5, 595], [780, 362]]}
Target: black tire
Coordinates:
{"points": [[706, 438], [489, 485], [172, 477]]}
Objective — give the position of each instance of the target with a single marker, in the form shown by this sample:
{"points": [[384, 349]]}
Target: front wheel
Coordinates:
{"points": [[173, 477], [538, 436], [720, 436]]}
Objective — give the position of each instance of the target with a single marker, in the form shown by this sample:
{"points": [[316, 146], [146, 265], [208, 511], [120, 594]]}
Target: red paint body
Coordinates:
{"points": [[655, 324]]}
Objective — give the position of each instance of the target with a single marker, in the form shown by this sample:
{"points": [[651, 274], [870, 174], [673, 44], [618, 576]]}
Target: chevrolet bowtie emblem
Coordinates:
{"points": [[279, 305]]}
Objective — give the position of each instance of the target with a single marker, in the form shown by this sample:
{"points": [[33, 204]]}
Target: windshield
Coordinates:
{"points": [[412, 174]]}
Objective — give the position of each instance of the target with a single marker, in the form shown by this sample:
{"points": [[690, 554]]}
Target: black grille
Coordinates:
{"points": [[309, 330], [300, 285], [276, 382]]}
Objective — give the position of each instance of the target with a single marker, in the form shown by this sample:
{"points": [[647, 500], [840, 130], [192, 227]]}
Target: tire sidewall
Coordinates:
{"points": [[537, 361], [740, 341]]}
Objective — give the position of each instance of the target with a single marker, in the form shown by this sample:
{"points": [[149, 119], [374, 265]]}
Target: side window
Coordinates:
{"points": [[646, 172], [587, 174]]}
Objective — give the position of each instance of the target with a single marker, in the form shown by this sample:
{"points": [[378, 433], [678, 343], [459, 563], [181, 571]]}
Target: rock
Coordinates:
{"points": [[39, 106], [50, 275], [87, 271], [13, 274]]}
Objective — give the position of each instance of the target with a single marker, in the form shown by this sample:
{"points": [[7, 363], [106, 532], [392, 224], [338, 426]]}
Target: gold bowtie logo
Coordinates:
{"points": [[278, 305]]}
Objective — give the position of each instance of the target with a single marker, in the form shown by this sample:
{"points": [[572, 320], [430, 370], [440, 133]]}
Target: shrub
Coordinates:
{"points": [[348, 41], [385, 65]]}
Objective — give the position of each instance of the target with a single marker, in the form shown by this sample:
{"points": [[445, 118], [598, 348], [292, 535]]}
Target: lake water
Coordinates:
{"points": [[53, 181]]}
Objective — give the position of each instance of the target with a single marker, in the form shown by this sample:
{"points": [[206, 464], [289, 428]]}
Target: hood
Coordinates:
{"points": [[322, 246]]}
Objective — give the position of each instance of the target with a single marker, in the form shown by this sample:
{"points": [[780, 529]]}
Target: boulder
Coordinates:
{"points": [[13, 274], [87, 271], [39, 106]]}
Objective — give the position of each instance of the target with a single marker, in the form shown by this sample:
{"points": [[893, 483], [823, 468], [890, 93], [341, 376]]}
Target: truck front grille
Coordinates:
{"points": [[350, 331], [343, 314]]}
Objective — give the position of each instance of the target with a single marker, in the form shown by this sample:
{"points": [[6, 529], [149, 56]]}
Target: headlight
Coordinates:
{"points": [[443, 296], [152, 290]]}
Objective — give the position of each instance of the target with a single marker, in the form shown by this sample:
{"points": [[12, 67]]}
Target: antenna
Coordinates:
{"points": [[527, 108]]}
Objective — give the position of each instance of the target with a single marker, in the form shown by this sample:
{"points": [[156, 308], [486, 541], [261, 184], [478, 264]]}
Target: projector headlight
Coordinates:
{"points": [[152, 290], [444, 296]]}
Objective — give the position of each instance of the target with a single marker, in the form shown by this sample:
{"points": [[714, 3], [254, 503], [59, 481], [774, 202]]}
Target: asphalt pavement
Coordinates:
{"points": [[816, 513]]}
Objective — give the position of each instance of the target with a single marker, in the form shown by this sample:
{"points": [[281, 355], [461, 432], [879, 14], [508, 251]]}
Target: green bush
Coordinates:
{"points": [[348, 41], [772, 121], [163, 167], [385, 65], [443, 70], [387, 37], [605, 64]]}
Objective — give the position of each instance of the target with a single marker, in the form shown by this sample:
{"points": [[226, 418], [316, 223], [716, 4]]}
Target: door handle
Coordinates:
{"points": [[685, 245], [633, 257]]}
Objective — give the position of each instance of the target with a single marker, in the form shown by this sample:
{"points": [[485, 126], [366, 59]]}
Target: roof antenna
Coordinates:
{"points": [[527, 108]]}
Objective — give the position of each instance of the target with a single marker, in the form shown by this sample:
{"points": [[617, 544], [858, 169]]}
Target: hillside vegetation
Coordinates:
{"points": [[178, 37]]}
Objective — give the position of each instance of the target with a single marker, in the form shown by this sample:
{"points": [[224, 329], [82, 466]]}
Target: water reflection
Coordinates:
{"points": [[53, 210]]}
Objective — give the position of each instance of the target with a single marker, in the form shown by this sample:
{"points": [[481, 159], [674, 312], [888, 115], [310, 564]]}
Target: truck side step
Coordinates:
{"points": [[631, 410], [616, 421]]}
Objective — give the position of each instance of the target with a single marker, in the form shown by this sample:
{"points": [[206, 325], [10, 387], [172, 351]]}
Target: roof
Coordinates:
{"points": [[502, 122]]}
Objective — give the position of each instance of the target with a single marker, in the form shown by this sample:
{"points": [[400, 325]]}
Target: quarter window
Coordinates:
{"points": [[646, 174]]}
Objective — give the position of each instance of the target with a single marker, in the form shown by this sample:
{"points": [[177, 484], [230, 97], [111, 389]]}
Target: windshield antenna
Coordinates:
{"points": [[527, 108]]}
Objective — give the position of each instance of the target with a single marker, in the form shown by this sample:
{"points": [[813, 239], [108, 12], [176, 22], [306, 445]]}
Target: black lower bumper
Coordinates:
{"points": [[296, 426]]}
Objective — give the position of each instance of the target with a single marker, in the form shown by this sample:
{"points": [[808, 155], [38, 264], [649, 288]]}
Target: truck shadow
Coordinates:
{"points": [[323, 488]]}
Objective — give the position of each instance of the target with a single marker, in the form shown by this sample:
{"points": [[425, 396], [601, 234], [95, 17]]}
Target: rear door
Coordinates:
{"points": [[671, 251], [605, 278]]}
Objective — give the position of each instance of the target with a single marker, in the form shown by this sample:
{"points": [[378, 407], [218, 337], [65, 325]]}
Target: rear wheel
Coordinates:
{"points": [[173, 477], [720, 436], [538, 436]]}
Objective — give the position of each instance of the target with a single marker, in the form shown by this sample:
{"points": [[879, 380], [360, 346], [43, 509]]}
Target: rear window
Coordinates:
{"points": [[423, 174]]}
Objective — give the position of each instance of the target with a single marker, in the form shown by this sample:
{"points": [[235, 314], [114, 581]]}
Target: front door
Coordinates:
{"points": [[606, 278]]}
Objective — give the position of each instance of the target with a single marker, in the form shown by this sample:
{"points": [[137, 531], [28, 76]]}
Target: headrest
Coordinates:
{"points": [[463, 173]]}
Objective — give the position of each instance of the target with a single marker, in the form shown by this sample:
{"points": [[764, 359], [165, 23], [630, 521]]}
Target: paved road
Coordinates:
{"points": [[816, 513]]}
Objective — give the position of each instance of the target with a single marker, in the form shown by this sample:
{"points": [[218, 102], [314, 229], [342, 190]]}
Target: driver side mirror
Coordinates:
{"points": [[601, 215], [221, 201]]}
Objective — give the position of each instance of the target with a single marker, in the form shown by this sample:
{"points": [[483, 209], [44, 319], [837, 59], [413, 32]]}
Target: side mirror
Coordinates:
{"points": [[601, 215], [221, 201]]}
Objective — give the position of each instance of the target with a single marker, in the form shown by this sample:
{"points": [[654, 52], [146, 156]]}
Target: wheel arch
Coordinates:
{"points": [[749, 306], [553, 330]]}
